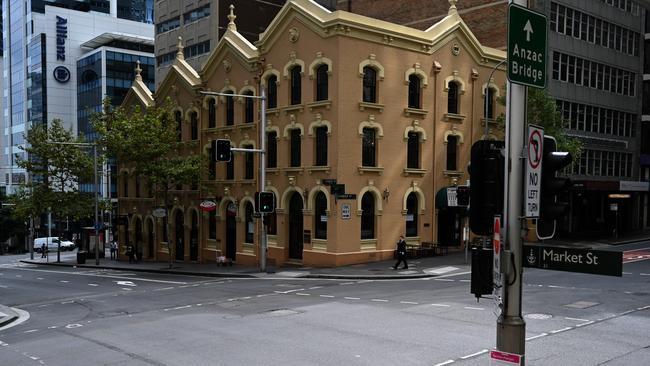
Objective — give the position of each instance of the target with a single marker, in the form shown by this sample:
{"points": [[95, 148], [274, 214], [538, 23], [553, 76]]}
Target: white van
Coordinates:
{"points": [[52, 243]]}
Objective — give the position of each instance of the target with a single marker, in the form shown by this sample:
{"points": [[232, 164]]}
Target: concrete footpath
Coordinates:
{"points": [[453, 263]]}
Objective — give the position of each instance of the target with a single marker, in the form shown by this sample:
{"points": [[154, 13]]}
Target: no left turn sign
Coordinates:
{"points": [[535, 142]]}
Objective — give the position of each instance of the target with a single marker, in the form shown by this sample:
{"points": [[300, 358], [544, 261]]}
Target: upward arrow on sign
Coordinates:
{"points": [[528, 29]]}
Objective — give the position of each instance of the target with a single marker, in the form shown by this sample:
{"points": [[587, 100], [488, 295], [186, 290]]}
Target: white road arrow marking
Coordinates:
{"points": [[528, 29], [125, 283]]}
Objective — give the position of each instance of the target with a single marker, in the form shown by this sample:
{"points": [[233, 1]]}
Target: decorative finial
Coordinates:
{"points": [[179, 53], [138, 70], [452, 7], [231, 18]]}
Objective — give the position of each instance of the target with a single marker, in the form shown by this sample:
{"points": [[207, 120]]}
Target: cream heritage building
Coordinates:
{"points": [[367, 123]]}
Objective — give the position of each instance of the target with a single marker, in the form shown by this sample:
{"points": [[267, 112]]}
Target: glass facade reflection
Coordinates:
{"points": [[36, 81]]}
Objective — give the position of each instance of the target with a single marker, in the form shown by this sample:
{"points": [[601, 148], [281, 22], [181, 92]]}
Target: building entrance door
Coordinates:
{"points": [[180, 236], [194, 238], [295, 226]]}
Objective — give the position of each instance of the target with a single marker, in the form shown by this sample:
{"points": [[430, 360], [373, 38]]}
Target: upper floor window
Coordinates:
{"points": [[212, 113], [196, 14], [249, 107], [322, 82], [230, 109], [249, 171], [178, 117], [272, 150], [452, 152], [321, 146], [194, 125], [413, 153], [320, 216], [230, 168], [368, 148], [272, 91], [414, 92], [294, 147], [452, 97], [369, 85], [368, 216], [296, 85]]}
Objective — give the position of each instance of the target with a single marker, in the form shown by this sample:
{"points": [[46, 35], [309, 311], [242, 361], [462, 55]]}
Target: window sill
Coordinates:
{"points": [[225, 128], [491, 121], [371, 169], [293, 108], [452, 173], [294, 169], [275, 111], [246, 125], [415, 112], [327, 104], [411, 171], [455, 118], [275, 171], [376, 106], [248, 181], [318, 169]]}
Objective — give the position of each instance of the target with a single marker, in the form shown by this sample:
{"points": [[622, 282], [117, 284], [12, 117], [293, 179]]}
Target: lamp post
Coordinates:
{"points": [[487, 88]]}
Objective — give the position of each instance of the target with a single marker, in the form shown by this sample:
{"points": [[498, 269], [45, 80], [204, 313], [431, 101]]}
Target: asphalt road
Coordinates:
{"points": [[107, 317]]}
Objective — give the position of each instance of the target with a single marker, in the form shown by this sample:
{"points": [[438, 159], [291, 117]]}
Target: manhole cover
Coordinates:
{"points": [[538, 316], [581, 304]]}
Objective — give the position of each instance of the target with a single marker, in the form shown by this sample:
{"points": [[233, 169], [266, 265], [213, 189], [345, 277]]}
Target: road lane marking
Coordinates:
{"points": [[31, 331], [537, 336], [315, 288], [441, 305], [576, 319], [443, 279], [64, 281], [560, 330], [379, 300], [583, 324], [93, 284], [352, 298], [408, 302], [90, 274], [444, 363], [472, 308], [328, 296], [164, 289], [347, 283], [302, 294], [474, 354]]}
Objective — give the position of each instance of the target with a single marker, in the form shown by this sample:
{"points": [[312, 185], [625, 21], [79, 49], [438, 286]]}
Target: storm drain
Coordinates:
{"points": [[582, 304]]}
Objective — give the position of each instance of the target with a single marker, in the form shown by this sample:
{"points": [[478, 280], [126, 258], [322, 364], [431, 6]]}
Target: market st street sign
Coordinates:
{"points": [[527, 39], [573, 260]]}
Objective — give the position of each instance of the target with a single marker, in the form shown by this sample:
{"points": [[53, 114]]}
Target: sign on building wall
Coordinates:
{"points": [[345, 211]]}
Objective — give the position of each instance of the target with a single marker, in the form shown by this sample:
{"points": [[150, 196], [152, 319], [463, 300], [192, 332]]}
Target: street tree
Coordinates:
{"points": [[147, 141], [57, 168]]}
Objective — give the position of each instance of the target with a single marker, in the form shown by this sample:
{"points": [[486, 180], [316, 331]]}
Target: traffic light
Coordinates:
{"points": [[486, 185], [481, 282], [223, 150], [265, 202], [552, 208], [462, 196]]}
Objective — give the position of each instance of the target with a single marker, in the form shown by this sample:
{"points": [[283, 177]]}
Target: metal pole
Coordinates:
{"points": [[511, 328], [263, 239], [487, 88], [96, 205], [31, 237], [49, 233]]}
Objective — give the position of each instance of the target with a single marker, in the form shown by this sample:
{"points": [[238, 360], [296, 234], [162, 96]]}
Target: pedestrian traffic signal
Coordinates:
{"points": [[482, 280], [486, 185], [551, 205], [462, 196], [223, 150], [265, 202]]}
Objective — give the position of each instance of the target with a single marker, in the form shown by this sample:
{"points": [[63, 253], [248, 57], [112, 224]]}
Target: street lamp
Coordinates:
{"points": [[94, 146]]}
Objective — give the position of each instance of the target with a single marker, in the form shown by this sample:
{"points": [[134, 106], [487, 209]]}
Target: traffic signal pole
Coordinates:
{"points": [[511, 328], [263, 238]]}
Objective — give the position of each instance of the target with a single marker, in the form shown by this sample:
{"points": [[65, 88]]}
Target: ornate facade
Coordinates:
{"points": [[366, 122]]}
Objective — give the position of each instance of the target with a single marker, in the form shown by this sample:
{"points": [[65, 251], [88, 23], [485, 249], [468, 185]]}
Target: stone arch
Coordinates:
{"points": [[320, 60], [421, 200], [248, 142], [372, 62], [221, 212], [312, 196], [190, 110], [371, 123], [294, 61], [174, 210], [415, 127], [207, 98], [454, 77], [493, 86], [416, 69], [375, 192], [273, 128], [267, 73], [177, 109], [293, 126], [243, 91], [284, 201], [319, 122], [227, 88], [242, 207], [461, 137]]}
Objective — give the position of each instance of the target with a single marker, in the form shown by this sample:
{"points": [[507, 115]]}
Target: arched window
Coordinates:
{"points": [[321, 146], [230, 109], [368, 149], [367, 216], [249, 169], [249, 108], [178, 117], [369, 85], [250, 225], [414, 91], [294, 148], [413, 153], [452, 97], [322, 82], [212, 113], [194, 125], [452, 152], [412, 214], [212, 225], [125, 185], [272, 91], [296, 85], [272, 149], [320, 216], [488, 103]]}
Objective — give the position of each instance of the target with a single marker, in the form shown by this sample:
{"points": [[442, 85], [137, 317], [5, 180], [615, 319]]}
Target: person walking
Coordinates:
{"points": [[43, 251], [113, 249], [401, 253]]}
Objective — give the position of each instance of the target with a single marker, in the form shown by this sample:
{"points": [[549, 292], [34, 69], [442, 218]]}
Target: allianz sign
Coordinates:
{"points": [[61, 35]]}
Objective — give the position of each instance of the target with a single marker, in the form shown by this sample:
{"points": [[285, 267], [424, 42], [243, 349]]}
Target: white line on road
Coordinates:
{"points": [[644, 274], [379, 300], [91, 274], [352, 298], [644, 307], [315, 288], [537, 336], [164, 289], [441, 305], [346, 283], [576, 319], [31, 331], [627, 273], [3, 344], [93, 284], [302, 294], [560, 330], [583, 324], [328, 296], [443, 279], [472, 308], [465, 281], [64, 281], [67, 302], [408, 302], [474, 354], [444, 363]]}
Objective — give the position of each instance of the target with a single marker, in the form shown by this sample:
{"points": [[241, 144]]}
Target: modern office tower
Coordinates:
{"points": [[645, 118], [45, 41]]}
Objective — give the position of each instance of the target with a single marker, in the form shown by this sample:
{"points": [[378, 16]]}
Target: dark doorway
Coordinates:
{"points": [[194, 238], [180, 236], [138, 239], [450, 227], [150, 238], [295, 226], [231, 231]]}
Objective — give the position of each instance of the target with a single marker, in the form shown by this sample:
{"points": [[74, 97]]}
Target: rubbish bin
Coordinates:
{"points": [[81, 257]]}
